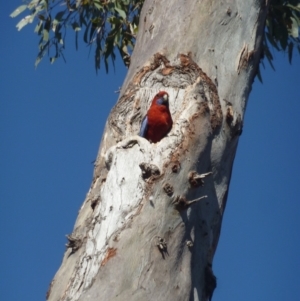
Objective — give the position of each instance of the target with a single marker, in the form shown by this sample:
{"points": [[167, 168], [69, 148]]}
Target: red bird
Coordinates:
{"points": [[158, 121]]}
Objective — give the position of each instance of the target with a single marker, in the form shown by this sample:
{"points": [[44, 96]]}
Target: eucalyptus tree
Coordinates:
{"points": [[150, 224]]}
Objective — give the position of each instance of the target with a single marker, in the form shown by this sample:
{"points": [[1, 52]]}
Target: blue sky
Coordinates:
{"points": [[51, 123]]}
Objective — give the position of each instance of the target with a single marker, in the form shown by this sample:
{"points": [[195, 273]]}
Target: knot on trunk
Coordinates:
{"points": [[181, 203], [197, 180], [149, 170], [162, 246], [168, 188], [233, 120]]}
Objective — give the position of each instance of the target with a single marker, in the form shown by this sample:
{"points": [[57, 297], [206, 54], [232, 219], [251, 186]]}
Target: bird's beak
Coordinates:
{"points": [[165, 97]]}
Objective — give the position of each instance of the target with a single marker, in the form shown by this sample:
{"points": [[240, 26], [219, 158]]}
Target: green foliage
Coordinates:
{"points": [[111, 25], [282, 29], [107, 25]]}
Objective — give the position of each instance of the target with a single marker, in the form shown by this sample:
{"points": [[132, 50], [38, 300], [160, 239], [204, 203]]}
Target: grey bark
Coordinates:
{"points": [[139, 235]]}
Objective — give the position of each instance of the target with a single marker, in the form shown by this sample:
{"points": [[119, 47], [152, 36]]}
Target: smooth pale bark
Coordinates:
{"points": [[135, 237]]}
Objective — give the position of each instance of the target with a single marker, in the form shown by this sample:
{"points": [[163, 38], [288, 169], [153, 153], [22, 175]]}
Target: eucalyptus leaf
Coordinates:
{"points": [[85, 36], [17, 11], [38, 28], [98, 5], [41, 54], [121, 13], [271, 40], [97, 58], [283, 38], [290, 51], [294, 32], [294, 7], [28, 19], [112, 24], [58, 18], [76, 26], [259, 75], [45, 35], [33, 3]]}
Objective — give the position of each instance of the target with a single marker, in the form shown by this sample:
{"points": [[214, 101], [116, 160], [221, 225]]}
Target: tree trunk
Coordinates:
{"points": [[139, 235]]}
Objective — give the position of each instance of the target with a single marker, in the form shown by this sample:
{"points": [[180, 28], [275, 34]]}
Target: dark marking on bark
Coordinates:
{"points": [[109, 160], [74, 243], [168, 188], [111, 252], [176, 167], [238, 127], [95, 202], [245, 57], [149, 170], [151, 28], [229, 115], [100, 172], [162, 246]]}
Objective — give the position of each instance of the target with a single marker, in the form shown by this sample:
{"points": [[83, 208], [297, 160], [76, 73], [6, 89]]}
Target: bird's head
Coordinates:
{"points": [[161, 98]]}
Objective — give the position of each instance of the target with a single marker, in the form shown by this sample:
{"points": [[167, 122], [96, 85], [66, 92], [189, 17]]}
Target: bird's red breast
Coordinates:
{"points": [[158, 121]]}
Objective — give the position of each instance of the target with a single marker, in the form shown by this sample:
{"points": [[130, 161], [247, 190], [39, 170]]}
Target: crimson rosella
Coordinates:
{"points": [[158, 121]]}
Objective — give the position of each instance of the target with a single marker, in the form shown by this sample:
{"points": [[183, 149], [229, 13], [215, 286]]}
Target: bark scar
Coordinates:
{"points": [[111, 252], [244, 58]]}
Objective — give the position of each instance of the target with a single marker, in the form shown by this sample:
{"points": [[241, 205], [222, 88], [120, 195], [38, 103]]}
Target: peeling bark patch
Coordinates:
{"points": [[100, 173], [111, 252], [158, 60], [73, 242], [167, 71], [216, 112], [244, 58], [124, 113]]}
